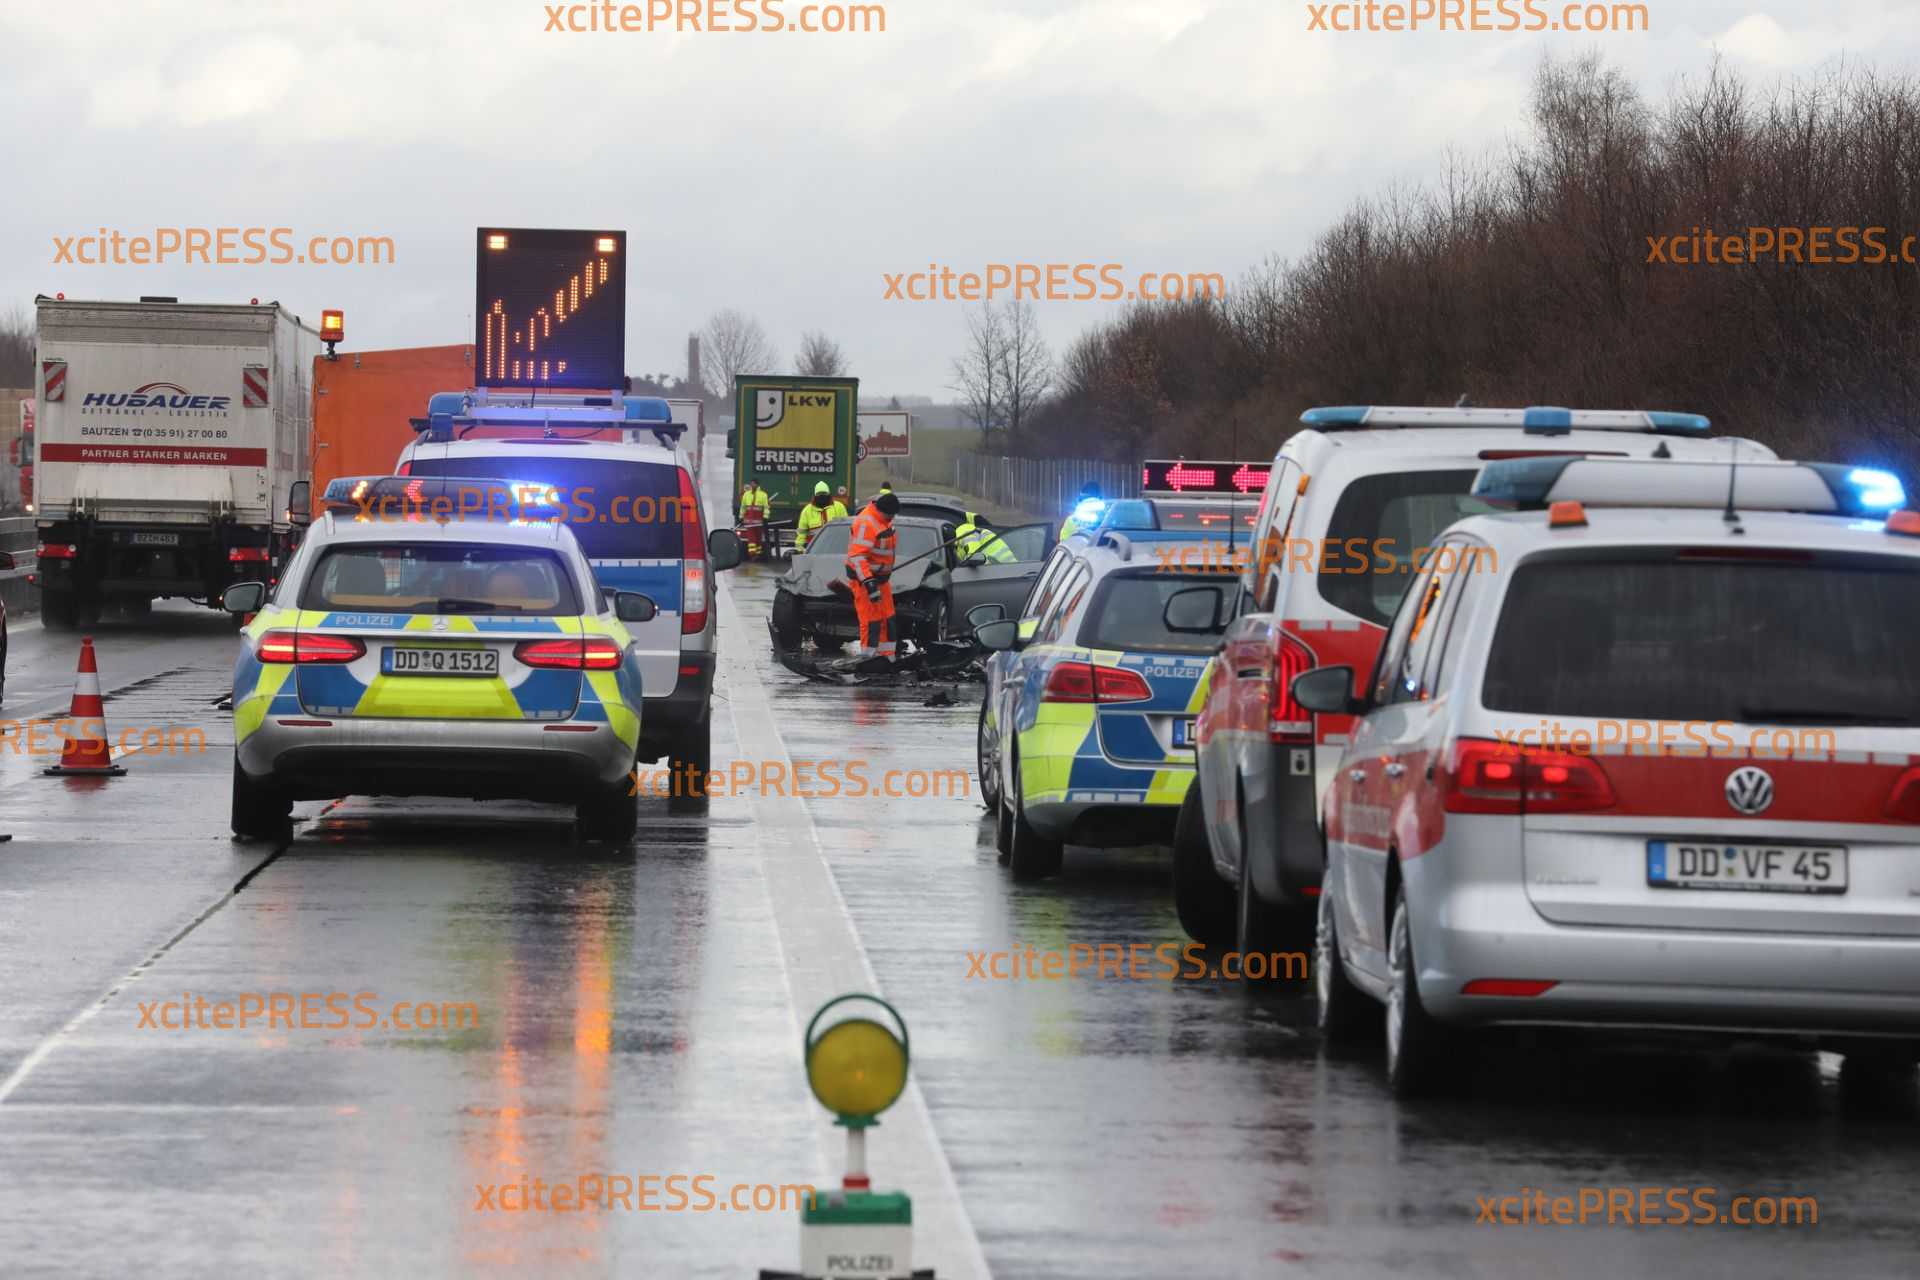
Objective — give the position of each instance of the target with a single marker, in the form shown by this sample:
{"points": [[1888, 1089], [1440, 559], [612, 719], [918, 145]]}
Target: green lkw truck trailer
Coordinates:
{"points": [[793, 432]]}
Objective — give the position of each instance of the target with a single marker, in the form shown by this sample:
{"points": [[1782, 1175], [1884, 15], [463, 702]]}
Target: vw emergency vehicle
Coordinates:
{"points": [[1653, 763], [1086, 725]]}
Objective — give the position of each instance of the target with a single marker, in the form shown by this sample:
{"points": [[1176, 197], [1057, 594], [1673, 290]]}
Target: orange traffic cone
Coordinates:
{"points": [[87, 756]]}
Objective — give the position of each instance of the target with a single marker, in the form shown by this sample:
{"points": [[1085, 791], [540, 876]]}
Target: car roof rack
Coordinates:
{"points": [[1816, 488], [1537, 420]]}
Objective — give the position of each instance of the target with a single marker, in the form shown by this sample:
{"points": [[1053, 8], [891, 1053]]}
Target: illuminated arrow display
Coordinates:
{"points": [[551, 308], [1230, 479]]}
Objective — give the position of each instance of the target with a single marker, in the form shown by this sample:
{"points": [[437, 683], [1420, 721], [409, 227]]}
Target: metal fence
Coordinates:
{"points": [[1040, 486]]}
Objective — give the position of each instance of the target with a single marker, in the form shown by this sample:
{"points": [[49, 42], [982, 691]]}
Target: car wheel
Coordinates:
{"points": [[613, 815], [1003, 831], [935, 627], [986, 759], [1033, 856], [260, 811], [1202, 899], [785, 620], [691, 757], [1343, 1012], [828, 644], [1414, 1040]]}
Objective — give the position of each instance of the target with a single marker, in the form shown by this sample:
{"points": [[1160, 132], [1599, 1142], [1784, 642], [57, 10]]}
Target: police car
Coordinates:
{"points": [[1644, 754], [1087, 720], [412, 654], [631, 500]]}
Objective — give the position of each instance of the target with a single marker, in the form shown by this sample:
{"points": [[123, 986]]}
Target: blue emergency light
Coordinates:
{"points": [[1087, 512], [1544, 420], [1813, 488]]}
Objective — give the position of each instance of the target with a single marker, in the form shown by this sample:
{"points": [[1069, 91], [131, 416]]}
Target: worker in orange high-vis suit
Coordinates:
{"points": [[869, 565]]}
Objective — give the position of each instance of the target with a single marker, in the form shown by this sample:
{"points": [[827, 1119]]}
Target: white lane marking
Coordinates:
{"points": [[822, 957], [86, 1015]]}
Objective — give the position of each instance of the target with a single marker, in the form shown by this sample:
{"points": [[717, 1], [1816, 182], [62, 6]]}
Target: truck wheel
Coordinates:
{"points": [[260, 811], [691, 753], [1033, 856], [785, 620], [56, 611], [1203, 901], [612, 815]]}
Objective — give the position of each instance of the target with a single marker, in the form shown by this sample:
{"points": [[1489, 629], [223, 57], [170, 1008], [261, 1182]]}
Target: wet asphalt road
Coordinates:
{"points": [[639, 1011]]}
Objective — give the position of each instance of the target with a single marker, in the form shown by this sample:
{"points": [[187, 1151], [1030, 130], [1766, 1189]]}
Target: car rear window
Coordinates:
{"points": [[1786, 641], [618, 510], [1379, 527], [1129, 612], [440, 578]]}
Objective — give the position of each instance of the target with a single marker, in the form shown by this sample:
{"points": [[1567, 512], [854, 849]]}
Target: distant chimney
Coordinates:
{"points": [[693, 363]]}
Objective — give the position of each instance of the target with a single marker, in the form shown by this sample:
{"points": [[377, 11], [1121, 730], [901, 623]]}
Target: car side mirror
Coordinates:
{"points": [[1195, 610], [981, 614], [723, 548], [244, 597], [631, 606], [300, 502], [1328, 690], [1001, 636]]}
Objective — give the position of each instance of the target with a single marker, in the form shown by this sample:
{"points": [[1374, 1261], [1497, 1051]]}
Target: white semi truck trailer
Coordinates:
{"points": [[167, 442]]}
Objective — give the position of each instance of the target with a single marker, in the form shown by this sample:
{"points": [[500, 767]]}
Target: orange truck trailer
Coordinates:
{"points": [[363, 402]]}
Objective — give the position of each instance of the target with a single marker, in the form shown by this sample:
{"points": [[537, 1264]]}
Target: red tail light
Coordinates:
{"points": [[1496, 777], [1069, 682], [56, 551], [1117, 684], [1507, 987], [238, 554], [584, 653], [1903, 802], [309, 647], [693, 561], [1287, 720], [404, 469], [1084, 682]]}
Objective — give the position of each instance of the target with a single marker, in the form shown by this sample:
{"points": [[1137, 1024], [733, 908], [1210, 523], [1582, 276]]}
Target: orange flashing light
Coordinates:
{"points": [[1906, 523], [1566, 515]]}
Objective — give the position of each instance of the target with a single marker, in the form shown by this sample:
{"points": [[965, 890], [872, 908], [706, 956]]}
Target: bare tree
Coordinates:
{"points": [[820, 356], [734, 344], [1026, 364], [980, 372], [16, 347]]}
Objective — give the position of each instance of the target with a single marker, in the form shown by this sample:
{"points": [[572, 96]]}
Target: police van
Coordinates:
{"points": [[617, 468]]}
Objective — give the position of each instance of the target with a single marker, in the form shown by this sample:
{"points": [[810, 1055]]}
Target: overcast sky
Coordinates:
{"points": [[782, 174]]}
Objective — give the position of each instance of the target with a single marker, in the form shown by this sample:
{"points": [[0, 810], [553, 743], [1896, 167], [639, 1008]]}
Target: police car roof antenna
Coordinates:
{"points": [[1730, 516]]}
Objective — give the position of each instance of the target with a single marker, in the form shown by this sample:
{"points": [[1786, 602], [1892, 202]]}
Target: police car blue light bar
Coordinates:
{"points": [[432, 497], [1537, 420], [447, 410], [1821, 488]]}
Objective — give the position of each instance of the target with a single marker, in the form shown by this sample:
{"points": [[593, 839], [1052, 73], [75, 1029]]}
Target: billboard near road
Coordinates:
{"points": [[885, 433]]}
